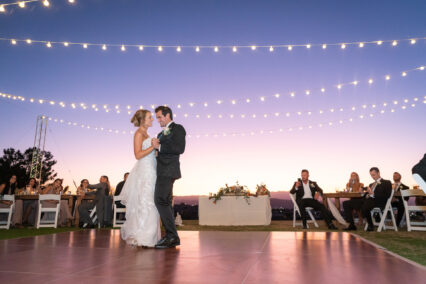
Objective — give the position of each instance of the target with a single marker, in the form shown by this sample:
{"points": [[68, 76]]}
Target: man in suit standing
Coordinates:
{"points": [[305, 191], [84, 209], [397, 200], [377, 195], [170, 144]]}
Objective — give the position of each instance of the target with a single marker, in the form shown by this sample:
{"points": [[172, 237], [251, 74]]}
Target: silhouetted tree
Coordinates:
{"points": [[14, 162]]}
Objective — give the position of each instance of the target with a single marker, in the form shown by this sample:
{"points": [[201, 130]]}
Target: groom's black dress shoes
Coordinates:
{"points": [[167, 243]]}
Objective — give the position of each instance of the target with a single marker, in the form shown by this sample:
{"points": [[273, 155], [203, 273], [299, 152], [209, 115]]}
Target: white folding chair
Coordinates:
{"points": [[117, 210], [413, 225], [93, 217], [296, 210], [8, 211], [46, 222], [383, 216]]}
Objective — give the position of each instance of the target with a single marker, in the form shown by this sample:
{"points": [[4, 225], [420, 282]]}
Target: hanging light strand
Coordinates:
{"points": [[217, 48], [23, 4], [129, 109], [328, 123]]}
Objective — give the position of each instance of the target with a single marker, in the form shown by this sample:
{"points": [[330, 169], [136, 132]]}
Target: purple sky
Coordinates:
{"points": [[391, 141]]}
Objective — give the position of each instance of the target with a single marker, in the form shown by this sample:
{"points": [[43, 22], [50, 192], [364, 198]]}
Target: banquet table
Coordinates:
{"points": [[335, 207], [71, 198], [234, 211]]}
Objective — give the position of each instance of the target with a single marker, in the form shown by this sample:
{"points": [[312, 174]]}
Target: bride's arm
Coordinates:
{"points": [[137, 147]]}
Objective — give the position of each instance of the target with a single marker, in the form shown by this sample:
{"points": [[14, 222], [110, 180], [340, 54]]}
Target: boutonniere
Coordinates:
{"points": [[166, 131], [312, 185], [378, 182], [400, 187]]}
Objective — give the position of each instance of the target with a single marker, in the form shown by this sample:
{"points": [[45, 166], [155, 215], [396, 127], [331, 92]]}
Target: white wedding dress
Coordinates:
{"points": [[142, 226]]}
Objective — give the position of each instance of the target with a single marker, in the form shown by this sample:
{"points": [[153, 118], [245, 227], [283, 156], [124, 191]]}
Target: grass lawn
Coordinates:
{"points": [[411, 245], [31, 232]]}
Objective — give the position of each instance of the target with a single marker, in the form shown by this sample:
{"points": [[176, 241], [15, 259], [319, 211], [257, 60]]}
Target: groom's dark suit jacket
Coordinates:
{"points": [[172, 146]]}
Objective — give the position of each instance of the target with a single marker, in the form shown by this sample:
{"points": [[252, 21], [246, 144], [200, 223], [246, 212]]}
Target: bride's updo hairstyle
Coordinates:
{"points": [[139, 117]]}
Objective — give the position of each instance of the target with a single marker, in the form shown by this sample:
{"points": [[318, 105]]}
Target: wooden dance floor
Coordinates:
{"points": [[99, 256]]}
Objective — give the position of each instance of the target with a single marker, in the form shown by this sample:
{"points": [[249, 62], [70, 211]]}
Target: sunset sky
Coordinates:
{"points": [[391, 141]]}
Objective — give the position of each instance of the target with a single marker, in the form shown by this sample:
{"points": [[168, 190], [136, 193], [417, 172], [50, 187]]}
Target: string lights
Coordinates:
{"points": [[215, 48], [129, 109], [23, 4], [406, 104]]}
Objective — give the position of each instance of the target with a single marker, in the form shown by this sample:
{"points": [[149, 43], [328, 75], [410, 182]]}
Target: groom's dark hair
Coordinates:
{"points": [[165, 110]]}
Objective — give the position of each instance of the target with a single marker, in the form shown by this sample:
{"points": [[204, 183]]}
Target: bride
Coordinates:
{"points": [[142, 225]]}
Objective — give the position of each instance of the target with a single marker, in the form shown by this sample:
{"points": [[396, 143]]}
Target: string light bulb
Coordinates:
{"points": [[71, 1], [2, 9], [48, 44], [178, 49], [394, 43], [370, 81], [104, 47], [379, 42], [216, 49], [22, 4], [234, 49], [141, 47], [404, 74], [123, 48], [66, 44], [271, 48], [160, 48], [46, 3], [387, 77], [308, 46], [290, 47], [197, 49], [13, 42], [361, 44], [324, 46], [413, 41], [85, 45], [343, 46], [253, 47]]}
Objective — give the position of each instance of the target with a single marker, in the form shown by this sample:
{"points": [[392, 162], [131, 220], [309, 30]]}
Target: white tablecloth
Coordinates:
{"points": [[234, 211]]}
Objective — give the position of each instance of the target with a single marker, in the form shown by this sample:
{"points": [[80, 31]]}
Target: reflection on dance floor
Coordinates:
{"points": [[204, 257]]}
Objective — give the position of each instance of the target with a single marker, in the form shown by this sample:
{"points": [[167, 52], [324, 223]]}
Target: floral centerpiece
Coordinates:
{"points": [[262, 190], [234, 190]]}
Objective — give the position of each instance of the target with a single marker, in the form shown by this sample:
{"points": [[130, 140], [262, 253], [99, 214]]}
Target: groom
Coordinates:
{"points": [[170, 144]]}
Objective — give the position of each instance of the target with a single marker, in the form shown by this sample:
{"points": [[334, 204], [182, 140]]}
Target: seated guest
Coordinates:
{"points": [[305, 197], [30, 205], [353, 184], [64, 212], [120, 185], [81, 191], [83, 188], [102, 188], [10, 188], [117, 192], [377, 195], [118, 189], [397, 200]]}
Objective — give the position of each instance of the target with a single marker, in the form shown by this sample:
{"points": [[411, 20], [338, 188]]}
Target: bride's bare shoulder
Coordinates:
{"points": [[139, 134]]}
